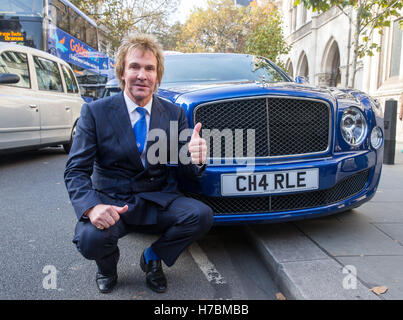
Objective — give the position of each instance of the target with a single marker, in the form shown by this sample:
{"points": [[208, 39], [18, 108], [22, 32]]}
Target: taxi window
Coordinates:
{"points": [[71, 83], [48, 75], [16, 63]]}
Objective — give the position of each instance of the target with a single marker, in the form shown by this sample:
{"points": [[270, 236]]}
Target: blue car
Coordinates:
{"points": [[278, 149]]}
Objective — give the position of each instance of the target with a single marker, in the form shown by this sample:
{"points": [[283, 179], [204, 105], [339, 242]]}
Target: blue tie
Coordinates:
{"points": [[140, 129]]}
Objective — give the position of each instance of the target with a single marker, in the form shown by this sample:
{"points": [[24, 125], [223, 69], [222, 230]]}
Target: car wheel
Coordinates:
{"points": [[67, 146]]}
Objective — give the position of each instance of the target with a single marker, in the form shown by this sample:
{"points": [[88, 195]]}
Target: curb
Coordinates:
{"points": [[301, 269]]}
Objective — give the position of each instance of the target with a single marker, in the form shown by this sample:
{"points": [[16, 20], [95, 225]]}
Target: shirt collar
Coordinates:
{"points": [[131, 105]]}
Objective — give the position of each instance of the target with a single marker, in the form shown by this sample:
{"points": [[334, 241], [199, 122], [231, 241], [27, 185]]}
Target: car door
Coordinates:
{"points": [[56, 116], [19, 110], [73, 97]]}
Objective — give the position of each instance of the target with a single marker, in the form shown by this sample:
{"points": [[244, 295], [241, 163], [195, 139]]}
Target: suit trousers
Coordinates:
{"points": [[183, 222]]}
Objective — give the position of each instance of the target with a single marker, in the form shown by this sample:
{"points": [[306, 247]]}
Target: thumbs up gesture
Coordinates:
{"points": [[197, 146]]}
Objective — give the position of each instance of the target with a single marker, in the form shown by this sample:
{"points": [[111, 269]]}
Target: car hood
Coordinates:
{"points": [[196, 93]]}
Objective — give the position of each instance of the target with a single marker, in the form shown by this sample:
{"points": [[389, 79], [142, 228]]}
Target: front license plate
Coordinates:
{"points": [[269, 182]]}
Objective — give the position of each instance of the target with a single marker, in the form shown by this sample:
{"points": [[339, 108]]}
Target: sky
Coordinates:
{"points": [[185, 7]]}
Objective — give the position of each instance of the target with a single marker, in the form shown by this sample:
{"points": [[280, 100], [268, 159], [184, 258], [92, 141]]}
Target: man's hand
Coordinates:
{"points": [[198, 146], [104, 216]]}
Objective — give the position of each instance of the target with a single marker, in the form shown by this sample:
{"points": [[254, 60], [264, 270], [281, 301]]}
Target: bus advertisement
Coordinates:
{"points": [[76, 52]]}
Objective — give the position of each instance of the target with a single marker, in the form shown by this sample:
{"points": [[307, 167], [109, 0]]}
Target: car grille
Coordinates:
{"points": [[345, 189], [283, 126]]}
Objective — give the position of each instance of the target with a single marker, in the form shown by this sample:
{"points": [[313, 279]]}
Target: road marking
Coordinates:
{"points": [[205, 265]]}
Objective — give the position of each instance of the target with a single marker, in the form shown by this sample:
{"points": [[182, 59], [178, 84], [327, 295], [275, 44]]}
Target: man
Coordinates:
{"points": [[127, 193]]}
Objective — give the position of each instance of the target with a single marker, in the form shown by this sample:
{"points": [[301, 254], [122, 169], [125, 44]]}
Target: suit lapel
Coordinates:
{"points": [[159, 120], [120, 121]]}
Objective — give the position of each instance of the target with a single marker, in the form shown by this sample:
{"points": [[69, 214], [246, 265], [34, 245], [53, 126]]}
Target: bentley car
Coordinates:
{"points": [[278, 149]]}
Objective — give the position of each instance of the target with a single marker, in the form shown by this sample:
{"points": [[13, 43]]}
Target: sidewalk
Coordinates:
{"points": [[317, 259]]}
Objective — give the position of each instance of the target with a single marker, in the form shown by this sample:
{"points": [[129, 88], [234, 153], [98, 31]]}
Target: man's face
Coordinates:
{"points": [[140, 75]]}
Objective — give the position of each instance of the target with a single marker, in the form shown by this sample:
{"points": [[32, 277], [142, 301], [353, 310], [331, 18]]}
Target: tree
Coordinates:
{"points": [[219, 28], [224, 27], [265, 37], [124, 16], [170, 36], [368, 16]]}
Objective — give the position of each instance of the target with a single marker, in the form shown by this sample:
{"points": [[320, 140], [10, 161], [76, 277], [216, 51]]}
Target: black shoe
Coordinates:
{"points": [[106, 283], [155, 277]]}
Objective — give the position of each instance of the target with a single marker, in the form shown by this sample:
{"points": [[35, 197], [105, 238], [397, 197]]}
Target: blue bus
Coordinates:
{"points": [[60, 28]]}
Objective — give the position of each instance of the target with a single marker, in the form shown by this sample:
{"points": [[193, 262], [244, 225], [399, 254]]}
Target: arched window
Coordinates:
{"points": [[331, 64], [303, 68]]}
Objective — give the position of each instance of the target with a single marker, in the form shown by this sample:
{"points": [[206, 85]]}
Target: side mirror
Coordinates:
{"points": [[301, 80], [9, 78]]}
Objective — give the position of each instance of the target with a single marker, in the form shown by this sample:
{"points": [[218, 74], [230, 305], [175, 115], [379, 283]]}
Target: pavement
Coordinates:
{"points": [[355, 255]]}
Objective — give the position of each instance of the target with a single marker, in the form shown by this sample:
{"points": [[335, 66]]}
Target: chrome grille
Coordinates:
{"points": [[283, 126]]}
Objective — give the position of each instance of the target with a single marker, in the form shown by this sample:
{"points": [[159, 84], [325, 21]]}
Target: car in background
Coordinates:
{"points": [[278, 149], [111, 88], [40, 100]]}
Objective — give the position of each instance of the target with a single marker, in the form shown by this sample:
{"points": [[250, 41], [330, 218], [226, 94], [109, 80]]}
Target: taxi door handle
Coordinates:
{"points": [[34, 106], [67, 108]]}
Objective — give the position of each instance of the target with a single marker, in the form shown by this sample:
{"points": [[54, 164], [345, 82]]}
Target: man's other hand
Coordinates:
{"points": [[104, 216], [198, 146]]}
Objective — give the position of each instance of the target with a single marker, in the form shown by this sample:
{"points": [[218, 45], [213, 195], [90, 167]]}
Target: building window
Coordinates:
{"points": [[396, 54]]}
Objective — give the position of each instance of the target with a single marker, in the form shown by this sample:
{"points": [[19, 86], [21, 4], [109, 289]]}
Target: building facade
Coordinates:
{"points": [[321, 51]]}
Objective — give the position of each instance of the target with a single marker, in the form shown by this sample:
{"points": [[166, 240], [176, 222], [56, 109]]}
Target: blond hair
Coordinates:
{"points": [[144, 42]]}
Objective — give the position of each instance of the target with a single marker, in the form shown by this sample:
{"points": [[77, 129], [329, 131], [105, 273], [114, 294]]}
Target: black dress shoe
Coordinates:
{"points": [[155, 277], [106, 283]]}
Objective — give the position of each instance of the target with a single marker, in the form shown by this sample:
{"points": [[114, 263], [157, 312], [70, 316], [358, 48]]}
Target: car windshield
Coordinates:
{"points": [[111, 91], [196, 68]]}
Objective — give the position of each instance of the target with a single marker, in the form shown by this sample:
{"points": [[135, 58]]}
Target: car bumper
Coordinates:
{"points": [[337, 173]]}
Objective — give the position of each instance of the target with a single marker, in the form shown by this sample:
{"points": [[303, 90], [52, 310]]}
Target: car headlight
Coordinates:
{"points": [[376, 137], [353, 126]]}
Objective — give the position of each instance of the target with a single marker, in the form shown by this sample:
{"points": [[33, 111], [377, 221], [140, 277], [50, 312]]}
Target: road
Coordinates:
{"points": [[39, 261]]}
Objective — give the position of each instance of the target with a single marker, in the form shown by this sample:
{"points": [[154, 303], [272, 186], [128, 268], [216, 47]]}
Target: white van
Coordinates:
{"points": [[40, 100]]}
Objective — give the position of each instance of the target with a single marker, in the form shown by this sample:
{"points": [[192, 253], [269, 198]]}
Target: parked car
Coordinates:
{"points": [[40, 100], [111, 88], [311, 151]]}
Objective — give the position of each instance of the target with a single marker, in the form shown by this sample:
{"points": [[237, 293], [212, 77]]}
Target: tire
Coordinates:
{"points": [[67, 146]]}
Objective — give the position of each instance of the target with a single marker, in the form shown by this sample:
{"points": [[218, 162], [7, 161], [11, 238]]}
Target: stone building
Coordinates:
{"points": [[321, 51]]}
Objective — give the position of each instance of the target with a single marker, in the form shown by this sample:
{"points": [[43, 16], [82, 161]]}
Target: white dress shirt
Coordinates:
{"points": [[135, 116]]}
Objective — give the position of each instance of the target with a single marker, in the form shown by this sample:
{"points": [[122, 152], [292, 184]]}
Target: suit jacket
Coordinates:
{"points": [[104, 165]]}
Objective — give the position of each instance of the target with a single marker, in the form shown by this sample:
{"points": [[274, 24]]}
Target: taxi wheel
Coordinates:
{"points": [[67, 146]]}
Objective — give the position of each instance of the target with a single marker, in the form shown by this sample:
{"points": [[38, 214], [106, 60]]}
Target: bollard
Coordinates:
{"points": [[390, 131]]}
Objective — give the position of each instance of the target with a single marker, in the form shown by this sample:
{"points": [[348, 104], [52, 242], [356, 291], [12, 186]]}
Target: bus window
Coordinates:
{"points": [[33, 8], [77, 25], [91, 35], [59, 14], [23, 30]]}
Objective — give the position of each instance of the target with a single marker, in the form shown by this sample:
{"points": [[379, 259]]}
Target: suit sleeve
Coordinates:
{"points": [[191, 170], [79, 166]]}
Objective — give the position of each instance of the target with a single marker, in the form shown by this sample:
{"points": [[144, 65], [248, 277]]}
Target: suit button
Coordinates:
{"points": [[151, 179]]}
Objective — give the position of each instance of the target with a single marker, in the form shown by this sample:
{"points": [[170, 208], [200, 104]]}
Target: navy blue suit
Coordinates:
{"points": [[104, 167]]}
